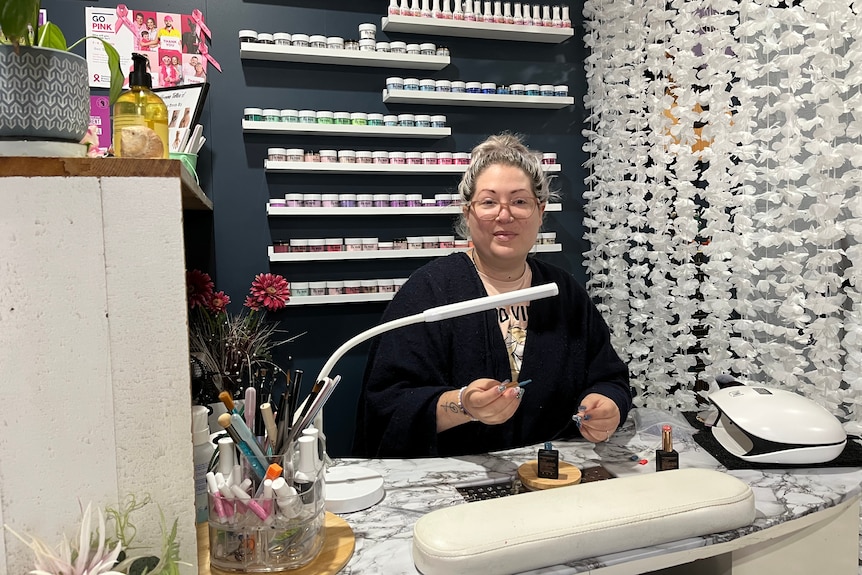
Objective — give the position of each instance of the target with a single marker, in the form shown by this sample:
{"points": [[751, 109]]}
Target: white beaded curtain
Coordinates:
{"points": [[723, 206]]}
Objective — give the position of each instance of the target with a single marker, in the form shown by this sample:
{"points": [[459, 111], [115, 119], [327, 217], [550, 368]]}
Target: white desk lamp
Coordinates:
{"points": [[351, 488]]}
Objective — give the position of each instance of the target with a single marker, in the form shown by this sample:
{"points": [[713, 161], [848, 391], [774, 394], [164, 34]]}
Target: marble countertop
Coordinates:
{"points": [[414, 487]]}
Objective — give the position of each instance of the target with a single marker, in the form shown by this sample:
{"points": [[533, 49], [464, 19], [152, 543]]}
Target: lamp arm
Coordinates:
{"points": [[366, 335]]}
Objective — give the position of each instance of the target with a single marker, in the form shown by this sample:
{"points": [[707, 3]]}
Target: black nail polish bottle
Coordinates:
{"points": [[549, 462], [666, 458]]}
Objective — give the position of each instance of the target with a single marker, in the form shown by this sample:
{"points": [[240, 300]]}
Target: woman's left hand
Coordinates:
{"points": [[600, 419]]}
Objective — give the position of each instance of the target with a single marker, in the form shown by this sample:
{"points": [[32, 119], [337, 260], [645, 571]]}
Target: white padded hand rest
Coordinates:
{"points": [[542, 528]]}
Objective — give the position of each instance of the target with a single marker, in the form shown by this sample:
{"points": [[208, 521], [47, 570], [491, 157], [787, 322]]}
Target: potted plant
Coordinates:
{"points": [[44, 89]]}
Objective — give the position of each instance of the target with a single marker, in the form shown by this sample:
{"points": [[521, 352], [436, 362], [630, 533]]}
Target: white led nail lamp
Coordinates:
{"points": [[352, 488]]}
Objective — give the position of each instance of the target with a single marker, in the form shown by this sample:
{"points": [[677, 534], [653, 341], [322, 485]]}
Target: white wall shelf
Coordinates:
{"points": [[343, 298], [252, 51], [482, 30], [343, 130], [344, 168], [468, 99], [381, 254], [429, 211]]}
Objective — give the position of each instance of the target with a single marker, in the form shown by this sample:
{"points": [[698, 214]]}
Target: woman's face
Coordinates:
{"points": [[504, 240], [151, 24], [175, 60], [166, 60]]}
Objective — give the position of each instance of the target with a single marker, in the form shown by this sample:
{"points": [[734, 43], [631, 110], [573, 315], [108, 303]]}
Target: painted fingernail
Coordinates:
{"points": [[577, 419], [582, 408], [519, 393]]}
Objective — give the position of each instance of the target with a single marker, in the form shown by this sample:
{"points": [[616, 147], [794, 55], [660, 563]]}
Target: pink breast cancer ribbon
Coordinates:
{"points": [[205, 52], [123, 19], [203, 33], [198, 18]]}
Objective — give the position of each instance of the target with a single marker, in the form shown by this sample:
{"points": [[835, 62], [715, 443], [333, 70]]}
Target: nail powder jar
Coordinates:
{"points": [[364, 200], [375, 119], [328, 156], [312, 156], [489, 88], [346, 156], [294, 154], [397, 200], [414, 201], [317, 288], [352, 245], [352, 287], [380, 157], [249, 36], [333, 244], [531, 90], [414, 158], [317, 41], [546, 90], [397, 158], [271, 115], [444, 158], [407, 120], [412, 48], [411, 84], [352, 45], [461, 158], [441, 200], [367, 45], [280, 248], [299, 289], [364, 157], [385, 246], [316, 245], [359, 119], [276, 154], [516, 89], [399, 243], [335, 43], [414, 242], [458, 87], [334, 287], [423, 121], [438, 121], [265, 38], [398, 47], [277, 203], [428, 49], [429, 158], [447, 242], [347, 200], [390, 120], [312, 200], [281, 38], [430, 242], [289, 116], [428, 202], [549, 158], [369, 244], [561, 91], [394, 83], [341, 118], [328, 200], [386, 285], [368, 286], [443, 86], [252, 114], [298, 246], [293, 200], [461, 244], [307, 117], [367, 31], [325, 117], [427, 85], [382, 47], [381, 200], [474, 87], [299, 40]]}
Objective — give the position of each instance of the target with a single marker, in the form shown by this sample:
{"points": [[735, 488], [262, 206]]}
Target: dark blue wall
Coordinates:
{"points": [[231, 165]]}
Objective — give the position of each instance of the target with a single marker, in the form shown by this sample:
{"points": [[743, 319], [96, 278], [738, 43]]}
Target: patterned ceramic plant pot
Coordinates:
{"points": [[43, 95]]}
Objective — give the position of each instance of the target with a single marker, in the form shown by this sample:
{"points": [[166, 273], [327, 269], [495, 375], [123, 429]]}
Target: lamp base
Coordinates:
{"points": [[352, 488]]}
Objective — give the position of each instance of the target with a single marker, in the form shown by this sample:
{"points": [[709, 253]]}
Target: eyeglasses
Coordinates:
{"points": [[489, 208]]}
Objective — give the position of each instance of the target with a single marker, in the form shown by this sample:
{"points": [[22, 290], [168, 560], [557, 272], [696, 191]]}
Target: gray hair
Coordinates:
{"points": [[507, 149]]}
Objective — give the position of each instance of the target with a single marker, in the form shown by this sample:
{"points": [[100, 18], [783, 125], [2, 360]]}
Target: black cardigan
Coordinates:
{"points": [[568, 354]]}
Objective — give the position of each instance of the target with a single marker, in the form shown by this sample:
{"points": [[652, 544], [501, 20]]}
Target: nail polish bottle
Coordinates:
{"points": [[507, 13], [666, 458], [567, 23], [548, 462], [518, 19]]}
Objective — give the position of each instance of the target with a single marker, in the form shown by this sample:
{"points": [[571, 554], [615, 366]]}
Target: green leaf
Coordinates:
{"points": [[50, 36], [17, 17]]}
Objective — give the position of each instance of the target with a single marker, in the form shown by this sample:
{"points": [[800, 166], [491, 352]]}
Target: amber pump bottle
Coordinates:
{"points": [[140, 117], [666, 458]]}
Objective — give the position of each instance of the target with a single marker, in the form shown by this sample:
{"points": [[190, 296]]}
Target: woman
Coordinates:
{"points": [[436, 388]]}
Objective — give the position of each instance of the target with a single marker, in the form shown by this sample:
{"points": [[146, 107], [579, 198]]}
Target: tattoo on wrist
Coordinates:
{"points": [[451, 407]]}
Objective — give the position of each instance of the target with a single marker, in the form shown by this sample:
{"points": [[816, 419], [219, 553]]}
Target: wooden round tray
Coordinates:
{"points": [[528, 473], [338, 545]]}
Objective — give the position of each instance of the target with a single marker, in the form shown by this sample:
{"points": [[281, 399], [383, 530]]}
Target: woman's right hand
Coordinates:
{"points": [[484, 401]]}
